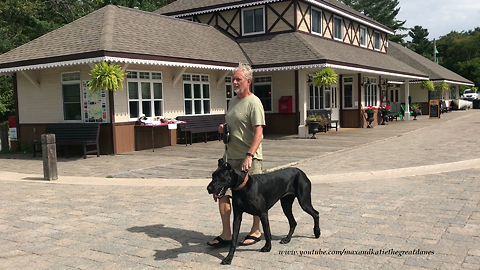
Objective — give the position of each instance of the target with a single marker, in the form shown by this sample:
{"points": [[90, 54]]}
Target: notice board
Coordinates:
{"points": [[434, 108]]}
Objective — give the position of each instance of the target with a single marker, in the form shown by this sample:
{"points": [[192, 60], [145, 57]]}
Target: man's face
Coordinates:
{"points": [[240, 83]]}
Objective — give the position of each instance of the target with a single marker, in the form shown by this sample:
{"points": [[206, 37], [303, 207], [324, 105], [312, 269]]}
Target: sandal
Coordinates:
{"points": [[250, 237], [220, 243]]}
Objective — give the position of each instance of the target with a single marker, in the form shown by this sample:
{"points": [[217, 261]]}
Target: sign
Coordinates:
{"points": [[434, 108], [94, 105], [13, 134]]}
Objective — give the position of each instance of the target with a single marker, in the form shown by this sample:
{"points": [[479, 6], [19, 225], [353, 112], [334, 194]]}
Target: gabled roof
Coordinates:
{"points": [[434, 71], [127, 35], [189, 7], [298, 50]]}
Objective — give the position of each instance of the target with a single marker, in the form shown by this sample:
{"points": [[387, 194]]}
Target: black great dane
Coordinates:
{"points": [[256, 194]]}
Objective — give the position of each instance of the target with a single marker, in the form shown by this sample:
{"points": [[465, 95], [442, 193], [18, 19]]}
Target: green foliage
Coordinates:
{"points": [[325, 76], [427, 85], [7, 106], [442, 86], [420, 43], [108, 76], [316, 118]]}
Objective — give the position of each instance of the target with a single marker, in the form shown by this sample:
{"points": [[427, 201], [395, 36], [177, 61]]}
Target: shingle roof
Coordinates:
{"points": [[124, 30], [299, 49], [432, 69], [188, 6]]}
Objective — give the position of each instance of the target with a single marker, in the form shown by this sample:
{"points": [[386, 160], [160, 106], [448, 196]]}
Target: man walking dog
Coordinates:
{"points": [[245, 119]]}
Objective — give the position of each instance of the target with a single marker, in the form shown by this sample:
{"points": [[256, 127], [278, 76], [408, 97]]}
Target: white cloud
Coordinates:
{"points": [[440, 17]]}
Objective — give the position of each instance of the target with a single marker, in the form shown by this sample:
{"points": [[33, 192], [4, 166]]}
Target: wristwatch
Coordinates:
{"points": [[249, 154]]}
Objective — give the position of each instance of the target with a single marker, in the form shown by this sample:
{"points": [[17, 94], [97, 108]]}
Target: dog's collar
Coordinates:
{"points": [[243, 183]]}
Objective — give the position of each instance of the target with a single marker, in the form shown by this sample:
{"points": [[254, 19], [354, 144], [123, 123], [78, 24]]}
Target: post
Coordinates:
{"points": [[302, 102], [407, 104], [4, 138], [435, 51], [49, 153]]}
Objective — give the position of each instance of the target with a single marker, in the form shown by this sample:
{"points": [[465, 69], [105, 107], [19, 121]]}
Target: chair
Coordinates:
{"points": [[402, 107]]}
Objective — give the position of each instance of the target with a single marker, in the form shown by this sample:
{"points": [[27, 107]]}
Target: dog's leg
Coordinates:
{"points": [[237, 221], [305, 200], [287, 203], [266, 232]]}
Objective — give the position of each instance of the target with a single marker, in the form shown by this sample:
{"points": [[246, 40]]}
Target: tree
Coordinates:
{"points": [[382, 11], [420, 43]]}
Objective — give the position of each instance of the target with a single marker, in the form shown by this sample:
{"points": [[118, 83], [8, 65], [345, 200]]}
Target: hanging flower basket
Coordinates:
{"points": [[325, 76], [427, 85], [442, 86], [108, 76]]}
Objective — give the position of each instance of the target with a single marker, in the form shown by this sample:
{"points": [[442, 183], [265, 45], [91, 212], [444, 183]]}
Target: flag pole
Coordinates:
{"points": [[434, 51]]}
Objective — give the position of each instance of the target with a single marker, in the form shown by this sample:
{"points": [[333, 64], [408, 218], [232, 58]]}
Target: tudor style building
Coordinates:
{"points": [[179, 61]]}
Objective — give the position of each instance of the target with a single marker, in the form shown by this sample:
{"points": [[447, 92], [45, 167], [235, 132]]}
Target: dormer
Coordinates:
{"points": [[328, 19]]}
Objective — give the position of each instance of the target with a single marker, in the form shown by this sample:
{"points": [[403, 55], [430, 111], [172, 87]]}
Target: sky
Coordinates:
{"points": [[440, 17]]}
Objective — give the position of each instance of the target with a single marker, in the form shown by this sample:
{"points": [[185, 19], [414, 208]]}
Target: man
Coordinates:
{"points": [[245, 119]]}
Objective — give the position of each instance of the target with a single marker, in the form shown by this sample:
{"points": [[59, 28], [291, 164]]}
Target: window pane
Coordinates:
{"points": [[327, 99], [338, 27], [188, 107], [206, 91], [144, 75], [156, 76], [71, 93], [158, 108], [248, 21], [348, 96], [134, 109], [206, 106], [147, 108], [187, 89], [72, 111], [362, 36], [146, 94], [198, 107], [133, 90], [258, 20], [377, 40], [197, 93], [263, 92], [316, 21], [132, 74], [229, 91], [157, 90]]}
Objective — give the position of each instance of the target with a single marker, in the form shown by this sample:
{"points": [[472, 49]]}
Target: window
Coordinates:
{"points": [[262, 87], [394, 94], [72, 104], [196, 94], [229, 92], [363, 36], [453, 92], [371, 93], [376, 40], [145, 94], [320, 97], [337, 26], [348, 92], [253, 21], [316, 21]]}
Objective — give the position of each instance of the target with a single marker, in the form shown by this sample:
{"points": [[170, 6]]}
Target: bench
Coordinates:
{"points": [[200, 124], [73, 134], [328, 115]]}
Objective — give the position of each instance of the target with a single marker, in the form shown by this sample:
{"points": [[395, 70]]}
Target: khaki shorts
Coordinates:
{"points": [[237, 164]]}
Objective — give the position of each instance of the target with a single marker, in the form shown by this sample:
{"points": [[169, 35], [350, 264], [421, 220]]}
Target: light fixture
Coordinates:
{"points": [[310, 79], [366, 81]]}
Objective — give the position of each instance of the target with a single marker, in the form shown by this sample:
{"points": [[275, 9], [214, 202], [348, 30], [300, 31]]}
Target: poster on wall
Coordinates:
{"points": [[94, 105]]}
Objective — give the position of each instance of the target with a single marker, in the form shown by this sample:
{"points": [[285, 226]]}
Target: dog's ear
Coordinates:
{"points": [[220, 162]]}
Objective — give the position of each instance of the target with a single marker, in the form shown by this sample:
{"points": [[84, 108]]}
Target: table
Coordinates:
{"points": [[153, 126]]}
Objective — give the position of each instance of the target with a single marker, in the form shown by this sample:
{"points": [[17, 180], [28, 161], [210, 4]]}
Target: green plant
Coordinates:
{"points": [[442, 86], [316, 118], [108, 76], [475, 89], [325, 76], [414, 106], [427, 85]]}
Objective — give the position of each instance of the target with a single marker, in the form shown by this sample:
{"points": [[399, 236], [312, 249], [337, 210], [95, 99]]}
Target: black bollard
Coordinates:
{"points": [[4, 138], [49, 153]]}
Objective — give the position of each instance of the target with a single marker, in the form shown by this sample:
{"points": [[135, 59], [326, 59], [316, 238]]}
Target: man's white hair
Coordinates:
{"points": [[246, 69]]}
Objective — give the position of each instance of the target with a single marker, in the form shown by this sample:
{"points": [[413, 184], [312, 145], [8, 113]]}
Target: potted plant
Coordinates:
{"points": [[415, 107], [324, 76], [108, 76], [427, 85], [313, 121], [385, 110], [370, 110]]}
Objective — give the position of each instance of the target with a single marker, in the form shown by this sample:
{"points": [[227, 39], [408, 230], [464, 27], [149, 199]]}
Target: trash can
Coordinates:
{"points": [[285, 104], [476, 103]]}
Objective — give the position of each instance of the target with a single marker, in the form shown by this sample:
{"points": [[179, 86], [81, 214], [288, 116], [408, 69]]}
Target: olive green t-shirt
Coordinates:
{"points": [[243, 114]]}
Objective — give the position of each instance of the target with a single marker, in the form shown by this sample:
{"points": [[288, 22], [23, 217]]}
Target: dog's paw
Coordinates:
{"points": [[227, 261], [285, 240], [266, 249], [317, 232]]}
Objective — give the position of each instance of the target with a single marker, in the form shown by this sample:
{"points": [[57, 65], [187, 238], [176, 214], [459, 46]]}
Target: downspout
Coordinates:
{"points": [[111, 101], [359, 101], [297, 111], [17, 115]]}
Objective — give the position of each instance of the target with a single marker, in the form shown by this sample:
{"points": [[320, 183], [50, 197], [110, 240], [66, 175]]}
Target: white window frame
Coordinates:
{"points": [[335, 18], [453, 92], [260, 81], [348, 81], [202, 80], [320, 97], [139, 80], [229, 90], [375, 40], [74, 81], [364, 37], [263, 21], [371, 93], [320, 19]]}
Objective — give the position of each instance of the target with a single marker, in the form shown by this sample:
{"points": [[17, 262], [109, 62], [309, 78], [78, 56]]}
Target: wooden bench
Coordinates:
{"points": [[328, 115], [73, 134], [200, 124]]}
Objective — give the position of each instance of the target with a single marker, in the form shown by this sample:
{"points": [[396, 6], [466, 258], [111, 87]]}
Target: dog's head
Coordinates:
{"points": [[223, 178]]}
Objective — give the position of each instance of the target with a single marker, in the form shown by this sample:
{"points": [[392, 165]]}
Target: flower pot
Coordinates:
{"points": [[314, 127], [370, 119], [385, 117]]}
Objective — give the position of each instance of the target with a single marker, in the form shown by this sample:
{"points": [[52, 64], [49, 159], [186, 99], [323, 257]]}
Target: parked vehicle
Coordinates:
{"points": [[469, 94]]}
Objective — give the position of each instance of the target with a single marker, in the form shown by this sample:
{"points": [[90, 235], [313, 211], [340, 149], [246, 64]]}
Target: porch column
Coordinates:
{"points": [[302, 103], [407, 104]]}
